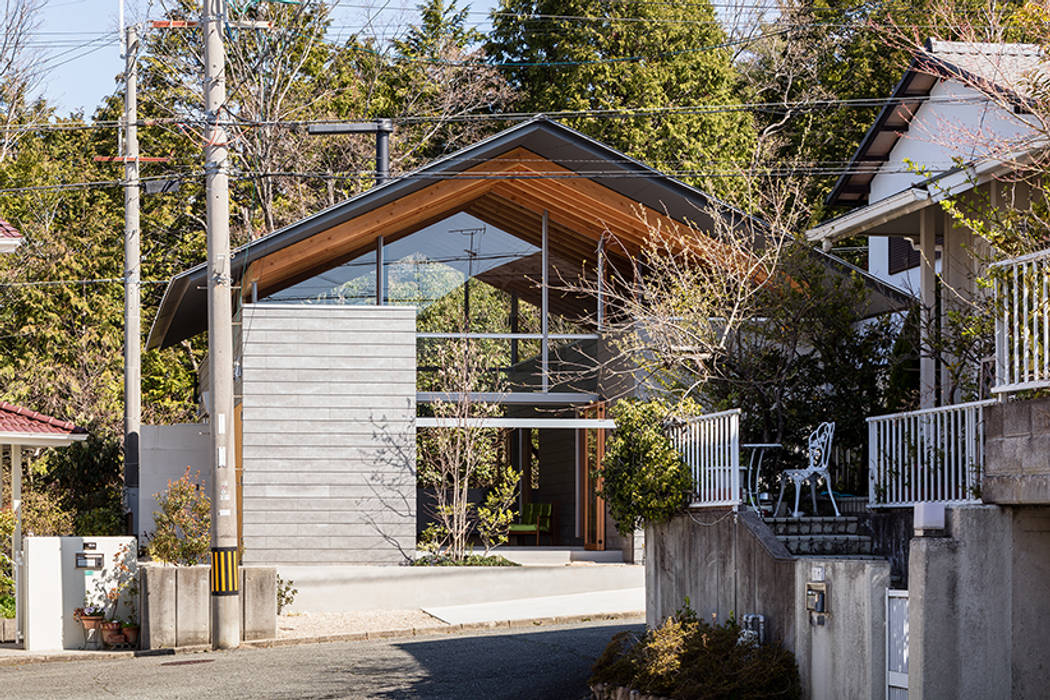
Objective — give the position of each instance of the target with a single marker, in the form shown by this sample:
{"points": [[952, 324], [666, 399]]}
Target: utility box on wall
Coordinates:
{"points": [[61, 573]]}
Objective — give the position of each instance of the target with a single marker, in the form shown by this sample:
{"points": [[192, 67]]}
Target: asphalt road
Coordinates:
{"points": [[542, 662]]}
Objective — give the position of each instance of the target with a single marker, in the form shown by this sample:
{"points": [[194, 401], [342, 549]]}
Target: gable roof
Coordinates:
{"points": [[10, 238], [997, 67], [20, 425], [539, 155]]}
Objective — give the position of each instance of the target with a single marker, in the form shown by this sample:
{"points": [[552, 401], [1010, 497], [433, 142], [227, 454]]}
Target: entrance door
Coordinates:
{"points": [[590, 444]]}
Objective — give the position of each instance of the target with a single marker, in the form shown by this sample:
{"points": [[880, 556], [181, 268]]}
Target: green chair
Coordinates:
{"points": [[535, 518]]}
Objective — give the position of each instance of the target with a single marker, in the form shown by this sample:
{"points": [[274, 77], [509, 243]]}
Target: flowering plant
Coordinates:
{"points": [[89, 610]]}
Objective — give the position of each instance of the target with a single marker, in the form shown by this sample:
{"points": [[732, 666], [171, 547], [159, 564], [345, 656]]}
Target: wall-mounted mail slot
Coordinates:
{"points": [[87, 560]]}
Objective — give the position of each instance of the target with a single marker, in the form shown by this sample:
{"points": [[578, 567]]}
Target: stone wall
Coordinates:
{"points": [[1017, 453]]}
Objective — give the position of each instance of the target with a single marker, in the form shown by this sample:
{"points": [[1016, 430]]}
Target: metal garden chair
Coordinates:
{"points": [[819, 457]]}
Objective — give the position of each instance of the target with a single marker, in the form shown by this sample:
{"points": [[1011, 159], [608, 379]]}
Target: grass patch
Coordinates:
{"points": [[469, 560]]}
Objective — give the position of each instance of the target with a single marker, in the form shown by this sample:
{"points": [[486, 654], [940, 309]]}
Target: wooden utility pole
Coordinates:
{"points": [[225, 572], [132, 277]]}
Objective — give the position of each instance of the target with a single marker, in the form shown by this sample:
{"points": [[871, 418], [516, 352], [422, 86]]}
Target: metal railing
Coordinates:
{"points": [[710, 446], [934, 454], [1022, 322]]}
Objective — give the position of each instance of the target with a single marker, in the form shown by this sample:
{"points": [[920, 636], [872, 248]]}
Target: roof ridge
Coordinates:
{"points": [[30, 414], [983, 47]]}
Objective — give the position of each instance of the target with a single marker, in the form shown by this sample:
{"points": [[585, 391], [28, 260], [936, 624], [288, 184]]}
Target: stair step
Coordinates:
{"points": [[845, 525], [827, 544]]}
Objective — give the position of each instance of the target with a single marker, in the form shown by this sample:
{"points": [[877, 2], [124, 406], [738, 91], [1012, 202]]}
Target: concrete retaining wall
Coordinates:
{"points": [[349, 588], [176, 605], [727, 566], [978, 605]]}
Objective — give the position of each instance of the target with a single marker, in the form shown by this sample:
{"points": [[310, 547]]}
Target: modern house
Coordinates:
{"points": [[341, 315], [938, 588]]}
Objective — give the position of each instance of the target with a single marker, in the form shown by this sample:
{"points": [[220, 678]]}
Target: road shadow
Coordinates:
{"points": [[532, 663]]}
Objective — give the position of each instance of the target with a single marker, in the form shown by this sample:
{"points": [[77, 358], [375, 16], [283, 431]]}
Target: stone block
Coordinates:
{"points": [[258, 602], [1017, 419], [157, 591], [1040, 416], [993, 422], [192, 605]]}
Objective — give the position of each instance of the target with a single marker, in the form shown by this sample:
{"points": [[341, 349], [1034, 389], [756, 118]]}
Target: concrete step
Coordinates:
{"points": [[836, 545], [843, 525]]}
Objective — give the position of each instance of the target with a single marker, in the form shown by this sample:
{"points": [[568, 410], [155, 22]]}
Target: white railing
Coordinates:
{"points": [[710, 446], [1022, 322], [934, 454]]}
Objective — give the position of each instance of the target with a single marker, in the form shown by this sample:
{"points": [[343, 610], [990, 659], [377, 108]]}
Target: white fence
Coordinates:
{"points": [[1022, 322], [934, 454], [710, 446]]}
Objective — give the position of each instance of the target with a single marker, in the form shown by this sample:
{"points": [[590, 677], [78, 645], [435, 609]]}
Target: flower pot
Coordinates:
{"points": [[111, 634], [131, 633], [92, 630]]}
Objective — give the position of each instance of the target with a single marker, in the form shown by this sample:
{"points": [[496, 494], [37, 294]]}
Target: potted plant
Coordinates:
{"points": [[91, 617], [111, 634]]}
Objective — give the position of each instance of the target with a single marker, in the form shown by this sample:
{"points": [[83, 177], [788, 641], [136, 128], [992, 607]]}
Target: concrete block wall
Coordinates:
{"points": [[1017, 453], [328, 434], [176, 605]]}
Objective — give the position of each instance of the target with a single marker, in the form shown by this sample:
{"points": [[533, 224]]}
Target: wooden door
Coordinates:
{"points": [[590, 443]]}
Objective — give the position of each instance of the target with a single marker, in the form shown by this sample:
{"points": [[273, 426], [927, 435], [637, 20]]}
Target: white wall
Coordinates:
{"points": [[55, 587], [942, 132], [166, 452]]}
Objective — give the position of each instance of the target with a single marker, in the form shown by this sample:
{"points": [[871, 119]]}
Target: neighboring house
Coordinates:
{"points": [[340, 312], [936, 137], [938, 587]]}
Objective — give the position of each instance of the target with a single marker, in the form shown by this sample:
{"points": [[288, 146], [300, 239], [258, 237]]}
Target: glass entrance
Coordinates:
{"points": [[590, 443]]}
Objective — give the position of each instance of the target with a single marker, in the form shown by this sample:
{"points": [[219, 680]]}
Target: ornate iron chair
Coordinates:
{"points": [[819, 456]]}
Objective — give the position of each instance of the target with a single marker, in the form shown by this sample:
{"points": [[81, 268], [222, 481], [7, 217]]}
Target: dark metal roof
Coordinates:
{"points": [[182, 312], [995, 68]]}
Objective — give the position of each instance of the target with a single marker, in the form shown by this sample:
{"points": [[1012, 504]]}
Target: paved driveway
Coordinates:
{"points": [[541, 662]]}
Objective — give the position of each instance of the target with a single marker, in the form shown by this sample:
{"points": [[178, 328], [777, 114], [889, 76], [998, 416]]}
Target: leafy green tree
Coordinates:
{"points": [[644, 479], [183, 523], [629, 56]]}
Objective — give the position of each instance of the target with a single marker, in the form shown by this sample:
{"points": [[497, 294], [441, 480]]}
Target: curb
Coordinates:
{"points": [[320, 639], [438, 629]]}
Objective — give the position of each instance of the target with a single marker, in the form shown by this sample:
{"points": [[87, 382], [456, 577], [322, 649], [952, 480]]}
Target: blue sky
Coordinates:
{"points": [[80, 39]]}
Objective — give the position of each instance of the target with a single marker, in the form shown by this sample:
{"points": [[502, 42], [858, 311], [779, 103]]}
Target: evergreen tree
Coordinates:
{"points": [[600, 55]]}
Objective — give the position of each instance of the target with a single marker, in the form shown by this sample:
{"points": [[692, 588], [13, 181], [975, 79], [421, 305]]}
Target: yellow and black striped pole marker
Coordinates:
{"points": [[224, 578]]}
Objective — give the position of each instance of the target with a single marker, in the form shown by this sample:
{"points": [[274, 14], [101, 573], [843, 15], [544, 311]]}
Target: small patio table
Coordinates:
{"points": [[754, 466]]}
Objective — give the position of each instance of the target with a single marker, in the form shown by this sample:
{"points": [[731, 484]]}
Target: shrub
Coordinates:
{"points": [[183, 523], [286, 593], [7, 607], [468, 560], [697, 660], [643, 477]]}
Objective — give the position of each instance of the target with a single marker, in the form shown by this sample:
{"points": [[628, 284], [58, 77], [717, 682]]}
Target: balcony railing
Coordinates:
{"points": [[1022, 322], [710, 446], [934, 454]]}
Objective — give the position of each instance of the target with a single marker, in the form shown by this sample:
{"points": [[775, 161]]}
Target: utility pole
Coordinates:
{"points": [[132, 277], [225, 572]]}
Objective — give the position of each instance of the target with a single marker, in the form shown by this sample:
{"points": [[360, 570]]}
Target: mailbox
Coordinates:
{"points": [[90, 560]]}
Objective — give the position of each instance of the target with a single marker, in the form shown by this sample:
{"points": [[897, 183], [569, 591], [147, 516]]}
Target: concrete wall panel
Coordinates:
{"points": [[328, 433]]}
